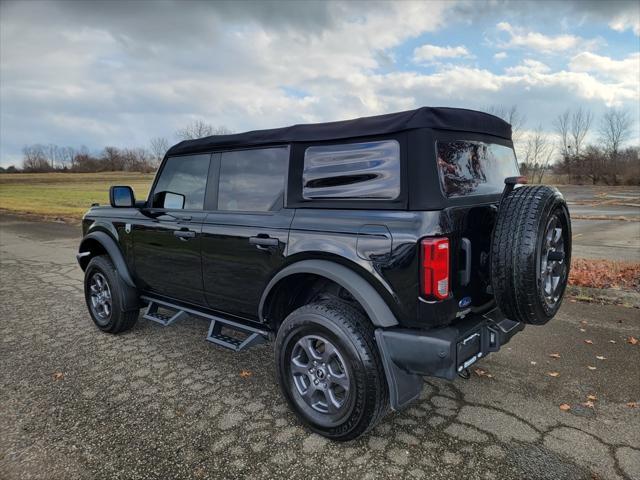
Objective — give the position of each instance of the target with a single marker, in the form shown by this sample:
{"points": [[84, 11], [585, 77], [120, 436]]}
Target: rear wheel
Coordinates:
{"points": [[104, 293], [531, 254], [329, 369]]}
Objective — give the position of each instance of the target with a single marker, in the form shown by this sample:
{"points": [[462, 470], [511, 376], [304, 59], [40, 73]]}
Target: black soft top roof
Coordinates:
{"points": [[441, 118]]}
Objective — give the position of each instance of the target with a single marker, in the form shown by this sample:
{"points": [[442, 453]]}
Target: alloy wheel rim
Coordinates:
{"points": [[319, 375], [552, 262], [100, 296]]}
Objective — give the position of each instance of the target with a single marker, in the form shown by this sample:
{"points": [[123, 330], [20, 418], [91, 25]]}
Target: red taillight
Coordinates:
{"points": [[435, 268]]}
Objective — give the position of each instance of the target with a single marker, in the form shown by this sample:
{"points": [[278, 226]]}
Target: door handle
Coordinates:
{"points": [[184, 234], [264, 241]]}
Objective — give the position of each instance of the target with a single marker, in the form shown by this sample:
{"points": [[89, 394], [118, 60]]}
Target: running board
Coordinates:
{"points": [[242, 336]]}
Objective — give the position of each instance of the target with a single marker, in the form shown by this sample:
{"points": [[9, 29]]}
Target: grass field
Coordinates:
{"points": [[64, 195]]}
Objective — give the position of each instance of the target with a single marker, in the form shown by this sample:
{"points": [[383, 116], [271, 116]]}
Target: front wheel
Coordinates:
{"points": [[329, 369], [104, 293]]}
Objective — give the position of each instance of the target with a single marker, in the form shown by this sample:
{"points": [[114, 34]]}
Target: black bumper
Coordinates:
{"points": [[409, 354]]}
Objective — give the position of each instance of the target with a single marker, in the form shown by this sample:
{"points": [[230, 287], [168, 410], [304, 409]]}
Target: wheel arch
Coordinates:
{"points": [[357, 286], [101, 243]]}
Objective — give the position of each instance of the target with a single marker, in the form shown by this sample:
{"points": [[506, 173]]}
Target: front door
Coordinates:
{"points": [[244, 239], [167, 239]]}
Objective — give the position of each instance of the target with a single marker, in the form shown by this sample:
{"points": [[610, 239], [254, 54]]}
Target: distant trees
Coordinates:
{"points": [[605, 162], [538, 153], [200, 129]]}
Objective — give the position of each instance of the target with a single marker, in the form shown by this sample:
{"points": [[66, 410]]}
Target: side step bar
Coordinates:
{"points": [[243, 336]]}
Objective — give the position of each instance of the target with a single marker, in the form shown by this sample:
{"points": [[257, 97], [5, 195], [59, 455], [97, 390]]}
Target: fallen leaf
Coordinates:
{"points": [[590, 367], [58, 376], [588, 404], [592, 398], [534, 363], [245, 373], [482, 373], [589, 342], [554, 355], [600, 357], [612, 341], [553, 374], [565, 407], [632, 404], [632, 340]]}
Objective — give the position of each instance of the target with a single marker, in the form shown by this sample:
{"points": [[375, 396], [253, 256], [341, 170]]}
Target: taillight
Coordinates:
{"points": [[435, 268]]}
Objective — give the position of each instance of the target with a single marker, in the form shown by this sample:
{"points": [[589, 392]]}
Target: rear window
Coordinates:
{"points": [[368, 170], [469, 167]]}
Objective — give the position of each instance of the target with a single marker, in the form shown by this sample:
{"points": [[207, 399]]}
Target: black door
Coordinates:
{"points": [[167, 239], [244, 240]]}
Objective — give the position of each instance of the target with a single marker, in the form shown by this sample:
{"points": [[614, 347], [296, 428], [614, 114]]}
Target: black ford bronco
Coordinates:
{"points": [[373, 251]]}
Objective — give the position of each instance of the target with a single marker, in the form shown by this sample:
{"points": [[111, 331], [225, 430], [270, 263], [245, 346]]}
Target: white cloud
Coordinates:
{"points": [[427, 53], [519, 38], [500, 56], [624, 22], [625, 72]]}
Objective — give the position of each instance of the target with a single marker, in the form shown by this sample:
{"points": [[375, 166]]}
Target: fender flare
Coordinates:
{"points": [[114, 252], [373, 304]]}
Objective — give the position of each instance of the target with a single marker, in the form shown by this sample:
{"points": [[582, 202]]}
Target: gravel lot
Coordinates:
{"points": [[163, 403]]}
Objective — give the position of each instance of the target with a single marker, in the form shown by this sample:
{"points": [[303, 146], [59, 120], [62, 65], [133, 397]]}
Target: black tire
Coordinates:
{"points": [[343, 327], [529, 269], [114, 319]]}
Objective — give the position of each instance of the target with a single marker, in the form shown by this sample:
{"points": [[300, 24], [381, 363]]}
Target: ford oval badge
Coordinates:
{"points": [[465, 302]]}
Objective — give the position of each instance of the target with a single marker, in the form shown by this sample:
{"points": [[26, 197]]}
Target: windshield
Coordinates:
{"points": [[469, 167]]}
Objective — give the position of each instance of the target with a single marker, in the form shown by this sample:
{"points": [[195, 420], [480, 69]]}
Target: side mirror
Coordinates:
{"points": [[121, 196], [169, 200]]}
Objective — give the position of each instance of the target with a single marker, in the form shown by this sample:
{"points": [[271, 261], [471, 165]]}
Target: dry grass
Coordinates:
{"points": [[605, 274], [64, 195]]}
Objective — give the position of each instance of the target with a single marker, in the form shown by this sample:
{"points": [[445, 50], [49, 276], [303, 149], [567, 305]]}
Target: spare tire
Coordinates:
{"points": [[531, 254]]}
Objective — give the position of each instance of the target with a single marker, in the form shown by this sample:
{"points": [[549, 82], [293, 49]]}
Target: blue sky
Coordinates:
{"points": [[120, 73]]}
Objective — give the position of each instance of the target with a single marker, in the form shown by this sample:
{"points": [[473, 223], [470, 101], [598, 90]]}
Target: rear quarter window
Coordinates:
{"points": [[367, 170], [469, 167]]}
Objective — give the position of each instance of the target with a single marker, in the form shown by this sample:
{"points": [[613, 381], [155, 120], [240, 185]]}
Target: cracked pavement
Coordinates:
{"points": [[158, 403]]}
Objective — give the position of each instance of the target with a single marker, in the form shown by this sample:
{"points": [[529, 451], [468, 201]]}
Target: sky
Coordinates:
{"points": [[120, 73]]}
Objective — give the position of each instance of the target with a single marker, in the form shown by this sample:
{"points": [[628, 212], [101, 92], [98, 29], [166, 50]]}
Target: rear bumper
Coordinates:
{"points": [[409, 354]]}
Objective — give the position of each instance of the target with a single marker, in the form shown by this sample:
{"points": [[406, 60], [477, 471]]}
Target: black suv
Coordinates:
{"points": [[374, 251]]}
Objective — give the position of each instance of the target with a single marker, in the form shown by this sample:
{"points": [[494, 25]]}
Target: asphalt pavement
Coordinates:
{"points": [[161, 403]]}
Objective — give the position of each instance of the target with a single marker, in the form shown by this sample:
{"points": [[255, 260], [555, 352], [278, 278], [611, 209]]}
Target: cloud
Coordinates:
{"points": [[427, 53], [519, 38], [625, 72], [624, 22], [119, 73]]}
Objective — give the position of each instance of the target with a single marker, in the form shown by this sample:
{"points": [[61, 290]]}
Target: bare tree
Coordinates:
{"points": [[200, 129], [561, 126], [159, 146], [34, 159], [511, 115], [580, 124], [538, 153], [615, 129]]}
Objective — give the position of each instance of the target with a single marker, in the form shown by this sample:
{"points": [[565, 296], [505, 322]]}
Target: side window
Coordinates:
{"points": [[369, 170], [182, 183], [253, 180]]}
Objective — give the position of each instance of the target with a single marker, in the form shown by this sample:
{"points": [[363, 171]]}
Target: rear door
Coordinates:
{"points": [[244, 238], [167, 238]]}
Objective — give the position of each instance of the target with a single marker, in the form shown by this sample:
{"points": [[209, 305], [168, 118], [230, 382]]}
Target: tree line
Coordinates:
{"points": [[563, 150], [39, 158]]}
